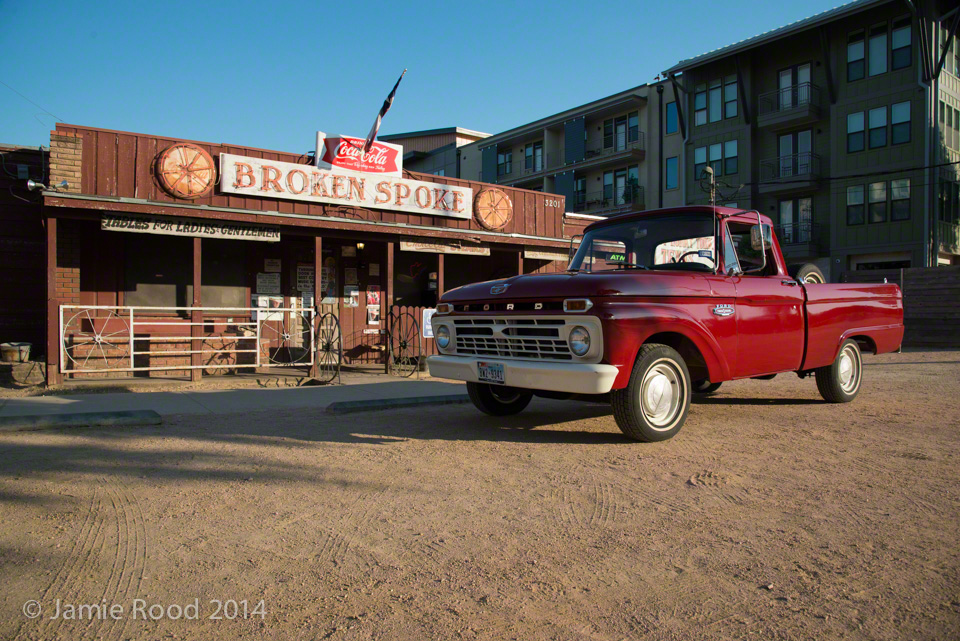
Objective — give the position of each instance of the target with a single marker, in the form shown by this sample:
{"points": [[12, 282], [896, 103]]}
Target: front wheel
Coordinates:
{"points": [[840, 382], [497, 400], [654, 404]]}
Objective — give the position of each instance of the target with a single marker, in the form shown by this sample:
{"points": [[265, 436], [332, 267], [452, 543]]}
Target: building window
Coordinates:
{"points": [[607, 187], [716, 101], [796, 220], [900, 199], [700, 106], [617, 132], [699, 162], [855, 205], [855, 58], [877, 50], [533, 157], [621, 186], [633, 127], [900, 121], [900, 42], [878, 202], [608, 134], [730, 164], [796, 153], [671, 125], [716, 159], [505, 163], [580, 191], [855, 132], [878, 127], [671, 171], [441, 172], [730, 99]]}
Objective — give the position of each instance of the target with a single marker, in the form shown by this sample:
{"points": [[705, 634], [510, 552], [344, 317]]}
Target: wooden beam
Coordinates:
{"points": [[520, 262], [196, 316], [742, 93], [53, 307], [439, 276], [828, 67], [389, 296], [317, 295], [950, 35], [676, 97]]}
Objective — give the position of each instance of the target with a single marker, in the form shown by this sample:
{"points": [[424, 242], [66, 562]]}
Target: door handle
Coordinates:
{"points": [[790, 283]]}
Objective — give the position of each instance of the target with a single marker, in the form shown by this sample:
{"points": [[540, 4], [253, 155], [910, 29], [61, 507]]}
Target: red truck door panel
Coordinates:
{"points": [[721, 324], [770, 323]]}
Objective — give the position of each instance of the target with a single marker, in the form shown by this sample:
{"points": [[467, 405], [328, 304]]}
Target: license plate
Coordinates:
{"points": [[490, 372]]}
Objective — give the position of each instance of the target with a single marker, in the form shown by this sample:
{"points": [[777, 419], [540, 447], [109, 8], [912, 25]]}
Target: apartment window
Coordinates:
{"points": [[633, 127], [716, 101], [900, 123], [607, 187], [900, 41], [877, 51], [730, 164], [794, 86], [716, 159], [855, 58], [877, 120], [730, 99], [699, 162], [673, 180], [505, 163], [700, 105], [533, 157], [621, 186], [441, 172], [878, 202], [795, 153], [671, 118], [855, 132], [796, 220], [580, 191], [617, 132], [855, 205], [900, 199], [608, 134]]}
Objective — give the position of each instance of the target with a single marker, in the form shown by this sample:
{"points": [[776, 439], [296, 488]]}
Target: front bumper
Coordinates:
{"points": [[575, 378]]}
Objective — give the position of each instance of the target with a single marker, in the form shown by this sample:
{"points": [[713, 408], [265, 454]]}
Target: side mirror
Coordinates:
{"points": [[755, 238]]}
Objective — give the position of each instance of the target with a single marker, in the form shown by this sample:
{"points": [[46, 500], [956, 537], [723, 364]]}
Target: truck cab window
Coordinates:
{"points": [[730, 261], [748, 257]]}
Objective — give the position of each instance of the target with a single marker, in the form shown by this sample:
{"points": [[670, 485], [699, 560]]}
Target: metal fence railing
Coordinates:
{"points": [[794, 233], [799, 95], [609, 200], [791, 165]]}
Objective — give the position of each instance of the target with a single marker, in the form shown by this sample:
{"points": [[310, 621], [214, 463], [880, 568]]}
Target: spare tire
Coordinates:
{"points": [[806, 273]]}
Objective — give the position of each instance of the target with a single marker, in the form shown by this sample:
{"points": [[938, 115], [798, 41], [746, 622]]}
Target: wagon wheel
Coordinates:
{"points": [[493, 209], [92, 342], [185, 171], [404, 345], [286, 341], [329, 348]]}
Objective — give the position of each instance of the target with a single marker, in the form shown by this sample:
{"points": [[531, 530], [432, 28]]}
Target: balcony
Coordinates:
{"points": [[793, 173], [800, 240], [789, 107], [949, 235], [620, 150], [609, 202]]}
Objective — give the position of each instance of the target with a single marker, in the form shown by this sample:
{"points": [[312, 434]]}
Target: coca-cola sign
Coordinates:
{"points": [[345, 153]]}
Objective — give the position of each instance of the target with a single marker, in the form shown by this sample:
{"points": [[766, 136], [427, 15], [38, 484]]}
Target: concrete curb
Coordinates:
{"points": [[84, 419], [376, 405]]}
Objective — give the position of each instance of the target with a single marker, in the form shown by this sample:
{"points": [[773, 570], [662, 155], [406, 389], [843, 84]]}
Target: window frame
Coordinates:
{"points": [[899, 126], [894, 217], [852, 207], [727, 171], [728, 101], [698, 167], [858, 37], [675, 119], [878, 204], [899, 25], [877, 33], [718, 168], [504, 163], [880, 130], [676, 173], [862, 132], [700, 105], [715, 99]]}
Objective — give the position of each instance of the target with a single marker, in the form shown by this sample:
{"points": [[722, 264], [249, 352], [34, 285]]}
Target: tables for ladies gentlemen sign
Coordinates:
{"points": [[246, 176]]}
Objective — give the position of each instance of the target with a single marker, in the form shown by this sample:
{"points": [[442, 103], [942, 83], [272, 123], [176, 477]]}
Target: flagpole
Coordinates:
{"points": [[383, 111]]}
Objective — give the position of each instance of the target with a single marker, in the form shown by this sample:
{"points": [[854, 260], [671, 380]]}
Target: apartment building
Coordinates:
{"points": [[832, 126], [617, 154], [434, 151]]}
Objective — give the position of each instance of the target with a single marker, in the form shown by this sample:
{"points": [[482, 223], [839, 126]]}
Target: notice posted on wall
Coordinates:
{"points": [[305, 277], [426, 323], [375, 269], [350, 276], [271, 264], [373, 314], [373, 294], [268, 283], [351, 296]]}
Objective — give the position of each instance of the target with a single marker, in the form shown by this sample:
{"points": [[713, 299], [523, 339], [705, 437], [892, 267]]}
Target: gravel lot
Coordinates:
{"points": [[772, 515]]}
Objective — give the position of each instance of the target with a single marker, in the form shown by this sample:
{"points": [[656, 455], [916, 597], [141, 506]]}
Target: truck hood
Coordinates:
{"points": [[584, 285]]}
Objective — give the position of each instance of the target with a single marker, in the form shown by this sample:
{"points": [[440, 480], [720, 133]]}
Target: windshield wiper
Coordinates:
{"points": [[626, 265]]}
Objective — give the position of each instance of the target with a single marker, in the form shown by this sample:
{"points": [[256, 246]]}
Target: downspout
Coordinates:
{"points": [[660, 158]]}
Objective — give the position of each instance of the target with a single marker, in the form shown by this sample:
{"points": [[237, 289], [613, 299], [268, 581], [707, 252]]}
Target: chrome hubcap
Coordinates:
{"points": [[848, 369], [661, 394]]}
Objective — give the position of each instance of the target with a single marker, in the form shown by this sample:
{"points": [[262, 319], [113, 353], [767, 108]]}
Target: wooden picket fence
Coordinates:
{"points": [[931, 302]]}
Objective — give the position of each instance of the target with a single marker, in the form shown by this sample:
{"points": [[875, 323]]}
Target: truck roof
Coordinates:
{"points": [[720, 212]]}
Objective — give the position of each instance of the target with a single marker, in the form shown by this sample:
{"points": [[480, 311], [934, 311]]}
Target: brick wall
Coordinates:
{"points": [[66, 153], [68, 261]]}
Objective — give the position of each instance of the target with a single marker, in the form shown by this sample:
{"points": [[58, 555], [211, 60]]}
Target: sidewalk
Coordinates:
{"points": [[226, 401]]}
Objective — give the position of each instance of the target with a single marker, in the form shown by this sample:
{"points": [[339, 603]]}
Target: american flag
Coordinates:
{"points": [[383, 111]]}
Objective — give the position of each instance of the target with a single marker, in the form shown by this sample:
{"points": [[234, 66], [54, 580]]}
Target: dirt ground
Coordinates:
{"points": [[772, 515]]}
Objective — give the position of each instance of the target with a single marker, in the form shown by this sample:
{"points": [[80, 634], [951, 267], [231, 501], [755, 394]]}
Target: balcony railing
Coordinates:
{"points": [[617, 145], [949, 235], [798, 233], [609, 200], [798, 95], [804, 165]]}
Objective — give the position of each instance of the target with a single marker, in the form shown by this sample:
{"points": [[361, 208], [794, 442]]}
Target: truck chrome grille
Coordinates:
{"points": [[528, 338]]}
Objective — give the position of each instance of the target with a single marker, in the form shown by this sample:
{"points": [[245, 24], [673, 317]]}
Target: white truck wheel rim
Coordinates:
{"points": [[660, 394], [848, 369]]}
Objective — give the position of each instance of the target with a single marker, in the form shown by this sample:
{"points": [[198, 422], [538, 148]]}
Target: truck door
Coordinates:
{"points": [[769, 311]]}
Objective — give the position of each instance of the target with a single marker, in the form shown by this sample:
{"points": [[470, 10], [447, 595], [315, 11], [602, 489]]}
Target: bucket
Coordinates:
{"points": [[15, 352]]}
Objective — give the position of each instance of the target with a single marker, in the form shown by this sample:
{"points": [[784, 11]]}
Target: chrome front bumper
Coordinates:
{"points": [[575, 378]]}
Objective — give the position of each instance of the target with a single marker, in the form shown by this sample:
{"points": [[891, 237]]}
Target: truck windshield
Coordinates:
{"points": [[675, 242]]}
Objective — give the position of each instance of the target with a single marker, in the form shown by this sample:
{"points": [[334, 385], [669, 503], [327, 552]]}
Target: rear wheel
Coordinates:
{"points": [[807, 273], [840, 382], [654, 404], [704, 386], [497, 400]]}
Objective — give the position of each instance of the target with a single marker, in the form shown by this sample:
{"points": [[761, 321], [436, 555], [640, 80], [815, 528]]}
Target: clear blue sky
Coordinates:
{"points": [[270, 74]]}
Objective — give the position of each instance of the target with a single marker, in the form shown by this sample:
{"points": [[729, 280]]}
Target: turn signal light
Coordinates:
{"points": [[444, 308], [577, 304]]}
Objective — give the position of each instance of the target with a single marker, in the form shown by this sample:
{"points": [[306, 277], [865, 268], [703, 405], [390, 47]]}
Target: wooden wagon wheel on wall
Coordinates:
{"points": [[185, 171], [493, 209]]}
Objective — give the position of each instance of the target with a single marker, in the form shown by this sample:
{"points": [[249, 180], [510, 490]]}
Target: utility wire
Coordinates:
{"points": [[30, 101]]}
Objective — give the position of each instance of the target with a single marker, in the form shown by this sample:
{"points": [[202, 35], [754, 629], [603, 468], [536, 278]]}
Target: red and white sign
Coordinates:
{"points": [[345, 153]]}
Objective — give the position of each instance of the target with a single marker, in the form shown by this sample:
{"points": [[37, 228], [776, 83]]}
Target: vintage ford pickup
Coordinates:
{"points": [[657, 306]]}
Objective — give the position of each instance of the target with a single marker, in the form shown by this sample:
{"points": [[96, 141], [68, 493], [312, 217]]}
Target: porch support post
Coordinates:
{"points": [[439, 276], [53, 307], [390, 248], [196, 331], [520, 262], [317, 296]]}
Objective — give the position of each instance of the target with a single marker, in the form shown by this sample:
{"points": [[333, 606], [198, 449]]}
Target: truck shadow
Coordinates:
{"points": [[769, 402]]}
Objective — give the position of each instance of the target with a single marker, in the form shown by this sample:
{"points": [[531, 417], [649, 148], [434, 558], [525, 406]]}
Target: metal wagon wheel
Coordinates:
{"points": [[84, 344], [286, 340], [329, 348], [404, 344]]}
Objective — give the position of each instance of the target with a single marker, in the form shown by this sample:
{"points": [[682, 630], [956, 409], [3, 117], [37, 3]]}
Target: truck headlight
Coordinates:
{"points": [[442, 337], [579, 340]]}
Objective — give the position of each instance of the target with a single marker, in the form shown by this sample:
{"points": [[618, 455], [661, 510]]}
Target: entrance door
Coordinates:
{"points": [[795, 86], [786, 155], [620, 138]]}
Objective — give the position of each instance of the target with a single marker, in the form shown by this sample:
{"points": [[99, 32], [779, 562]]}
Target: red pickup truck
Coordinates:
{"points": [[657, 306]]}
